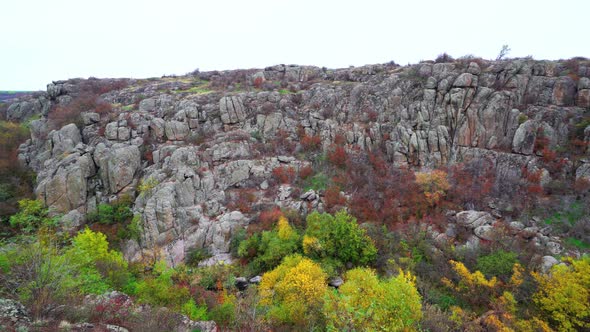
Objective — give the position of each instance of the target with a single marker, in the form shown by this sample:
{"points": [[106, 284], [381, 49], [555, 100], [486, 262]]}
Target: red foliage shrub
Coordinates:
{"points": [[305, 172], [471, 182], [243, 201], [581, 185], [15, 179], [333, 198], [266, 220], [116, 310], [98, 87], [284, 174], [282, 143], [311, 143], [70, 113], [339, 139], [541, 141], [258, 82], [337, 156]]}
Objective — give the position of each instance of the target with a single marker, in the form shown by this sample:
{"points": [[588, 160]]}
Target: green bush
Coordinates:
{"points": [[194, 312], [118, 212], [38, 276], [159, 289], [318, 182], [266, 250], [195, 255], [497, 264], [224, 314], [215, 276], [132, 230], [100, 269], [338, 237], [32, 215]]}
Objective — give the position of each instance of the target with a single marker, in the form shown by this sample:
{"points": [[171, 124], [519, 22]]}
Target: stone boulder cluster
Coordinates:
{"points": [[200, 147]]}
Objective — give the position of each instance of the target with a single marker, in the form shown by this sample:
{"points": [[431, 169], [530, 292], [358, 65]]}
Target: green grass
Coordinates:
{"points": [[317, 182], [580, 244], [574, 213], [199, 90], [128, 108]]}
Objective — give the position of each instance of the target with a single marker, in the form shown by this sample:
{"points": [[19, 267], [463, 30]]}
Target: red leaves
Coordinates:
{"points": [[283, 174], [337, 156], [311, 143]]}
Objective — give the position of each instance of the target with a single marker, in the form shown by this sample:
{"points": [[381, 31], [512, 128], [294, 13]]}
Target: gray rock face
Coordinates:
{"points": [[255, 280], [25, 109], [117, 165], [232, 110], [63, 184], [206, 150], [176, 131], [65, 139], [335, 282], [474, 219]]}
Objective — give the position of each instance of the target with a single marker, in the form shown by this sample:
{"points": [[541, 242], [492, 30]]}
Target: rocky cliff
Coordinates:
{"points": [[185, 148]]}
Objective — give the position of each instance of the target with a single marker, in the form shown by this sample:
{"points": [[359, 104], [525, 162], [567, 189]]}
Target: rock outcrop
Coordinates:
{"points": [[203, 147]]}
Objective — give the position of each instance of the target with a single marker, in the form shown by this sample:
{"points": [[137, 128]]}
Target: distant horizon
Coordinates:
{"points": [[65, 39], [277, 64]]}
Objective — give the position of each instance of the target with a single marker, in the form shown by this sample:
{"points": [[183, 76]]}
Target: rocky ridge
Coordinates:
{"points": [[198, 146]]}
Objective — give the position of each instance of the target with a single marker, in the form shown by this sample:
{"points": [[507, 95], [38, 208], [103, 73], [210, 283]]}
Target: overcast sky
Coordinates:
{"points": [[43, 40]]}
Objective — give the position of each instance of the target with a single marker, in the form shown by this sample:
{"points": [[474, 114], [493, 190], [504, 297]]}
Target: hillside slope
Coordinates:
{"points": [[201, 155]]}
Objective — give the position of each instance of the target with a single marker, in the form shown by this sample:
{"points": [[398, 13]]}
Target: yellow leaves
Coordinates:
{"points": [[293, 287], [517, 276], [365, 303], [434, 185], [311, 244], [564, 294], [285, 230], [468, 280]]}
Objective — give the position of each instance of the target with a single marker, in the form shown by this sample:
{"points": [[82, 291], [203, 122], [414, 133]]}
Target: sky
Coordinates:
{"points": [[42, 41]]}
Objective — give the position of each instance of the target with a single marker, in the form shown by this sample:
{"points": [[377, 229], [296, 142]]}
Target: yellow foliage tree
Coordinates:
{"points": [[434, 185], [293, 291], [285, 230], [564, 294], [491, 299], [365, 303]]}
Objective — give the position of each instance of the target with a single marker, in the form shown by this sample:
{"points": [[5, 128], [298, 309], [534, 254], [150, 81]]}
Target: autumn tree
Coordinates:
{"points": [[365, 303], [293, 292], [491, 302], [434, 185], [564, 294]]}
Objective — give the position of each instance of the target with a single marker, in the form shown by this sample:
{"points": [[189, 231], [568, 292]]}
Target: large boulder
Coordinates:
{"points": [[474, 219], [65, 139], [63, 185], [118, 165]]}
